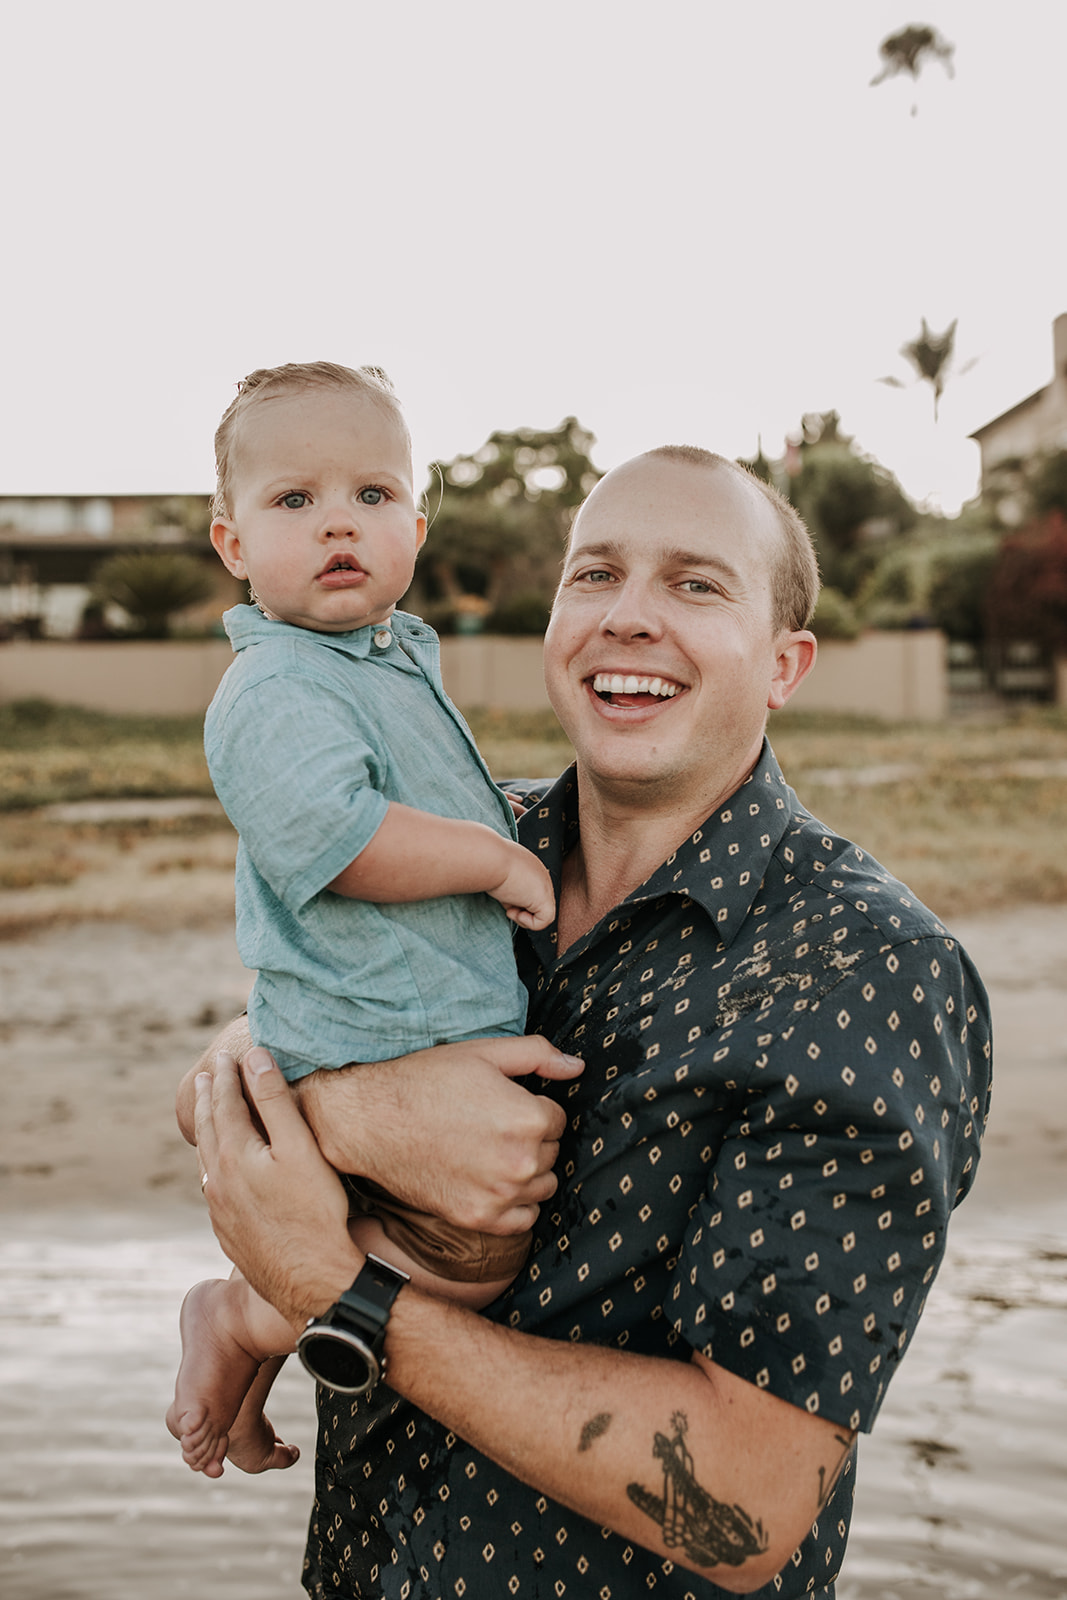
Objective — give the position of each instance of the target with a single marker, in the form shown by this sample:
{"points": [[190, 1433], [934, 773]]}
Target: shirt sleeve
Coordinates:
{"points": [[808, 1262], [299, 780]]}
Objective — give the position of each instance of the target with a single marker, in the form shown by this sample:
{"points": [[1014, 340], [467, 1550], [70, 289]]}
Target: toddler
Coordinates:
{"points": [[377, 864]]}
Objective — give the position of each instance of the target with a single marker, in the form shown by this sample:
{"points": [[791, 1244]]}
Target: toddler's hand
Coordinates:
{"points": [[525, 891]]}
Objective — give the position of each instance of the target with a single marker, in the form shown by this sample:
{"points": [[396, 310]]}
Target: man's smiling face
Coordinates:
{"points": [[662, 655]]}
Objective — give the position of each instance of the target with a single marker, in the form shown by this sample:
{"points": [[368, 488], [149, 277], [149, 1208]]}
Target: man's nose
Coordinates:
{"points": [[631, 612]]}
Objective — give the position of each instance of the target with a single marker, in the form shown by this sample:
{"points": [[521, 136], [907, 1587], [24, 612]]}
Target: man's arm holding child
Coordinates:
{"points": [[416, 855], [465, 1140], [594, 1427]]}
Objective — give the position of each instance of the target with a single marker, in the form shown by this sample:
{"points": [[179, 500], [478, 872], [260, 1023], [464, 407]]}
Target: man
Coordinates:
{"points": [[786, 1074]]}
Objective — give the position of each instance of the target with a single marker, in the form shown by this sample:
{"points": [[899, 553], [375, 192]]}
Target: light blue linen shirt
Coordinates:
{"points": [[308, 739]]}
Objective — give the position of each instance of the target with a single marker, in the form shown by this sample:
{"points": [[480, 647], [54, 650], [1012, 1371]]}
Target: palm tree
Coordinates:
{"points": [[150, 585], [906, 52], [931, 354]]}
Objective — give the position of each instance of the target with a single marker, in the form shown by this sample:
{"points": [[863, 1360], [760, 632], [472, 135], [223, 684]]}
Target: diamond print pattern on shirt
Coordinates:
{"points": [[787, 1067]]}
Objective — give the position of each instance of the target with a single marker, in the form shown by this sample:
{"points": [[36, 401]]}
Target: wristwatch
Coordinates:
{"points": [[343, 1348]]}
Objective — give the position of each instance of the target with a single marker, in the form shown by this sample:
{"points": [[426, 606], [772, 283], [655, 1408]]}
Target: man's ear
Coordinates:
{"points": [[225, 538], [795, 659]]}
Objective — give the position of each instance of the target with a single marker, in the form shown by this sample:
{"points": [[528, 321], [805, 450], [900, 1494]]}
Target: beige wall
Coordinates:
{"points": [[167, 678], [900, 676], [487, 670], [893, 675]]}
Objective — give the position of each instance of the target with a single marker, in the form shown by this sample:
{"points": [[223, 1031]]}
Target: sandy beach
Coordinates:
{"points": [[961, 1488]]}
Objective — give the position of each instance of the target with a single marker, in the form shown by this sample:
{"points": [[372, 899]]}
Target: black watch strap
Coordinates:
{"points": [[343, 1348], [370, 1299]]}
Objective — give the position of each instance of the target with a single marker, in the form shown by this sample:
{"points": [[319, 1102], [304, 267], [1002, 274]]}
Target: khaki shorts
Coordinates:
{"points": [[448, 1251]]}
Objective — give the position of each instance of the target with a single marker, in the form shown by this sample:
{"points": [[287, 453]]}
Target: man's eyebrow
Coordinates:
{"points": [[665, 556], [675, 556]]}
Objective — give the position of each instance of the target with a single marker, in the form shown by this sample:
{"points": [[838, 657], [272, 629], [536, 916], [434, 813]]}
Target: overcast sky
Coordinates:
{"points": [[683, 221]]}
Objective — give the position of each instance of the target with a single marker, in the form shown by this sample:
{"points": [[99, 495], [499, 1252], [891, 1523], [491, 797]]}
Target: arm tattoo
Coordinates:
{"points": [[828, 1480], [708, 1531], [594, 1428]]}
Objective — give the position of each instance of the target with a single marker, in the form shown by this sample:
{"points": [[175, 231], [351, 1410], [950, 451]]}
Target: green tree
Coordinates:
{"points": [[850, 503], [499, 518], [895, 594], [835, 616], [151, 585], [1046, 481], [960, 573]]}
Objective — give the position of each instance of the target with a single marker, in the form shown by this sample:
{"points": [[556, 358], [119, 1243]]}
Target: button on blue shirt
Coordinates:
{"points": [[309, 738]]}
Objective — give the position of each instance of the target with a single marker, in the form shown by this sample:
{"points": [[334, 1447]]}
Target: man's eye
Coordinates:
{"points": [[371, 496], [595, 575], [294, 502], [698, 586]]}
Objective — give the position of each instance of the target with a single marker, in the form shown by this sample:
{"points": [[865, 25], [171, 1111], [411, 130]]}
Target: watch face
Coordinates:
{"points": [[339, 1359]]}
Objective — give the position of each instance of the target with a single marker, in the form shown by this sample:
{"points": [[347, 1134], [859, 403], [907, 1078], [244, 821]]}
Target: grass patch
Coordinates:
{"points": [[51, 753], [521, 744], [963, 829]]}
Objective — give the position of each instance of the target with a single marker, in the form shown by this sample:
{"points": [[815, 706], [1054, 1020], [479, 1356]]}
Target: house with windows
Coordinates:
{"points": [[51, 545], [1037, 423]]}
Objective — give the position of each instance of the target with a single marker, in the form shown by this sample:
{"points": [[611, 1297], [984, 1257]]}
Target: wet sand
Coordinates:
{"points": [[961, 1488]]}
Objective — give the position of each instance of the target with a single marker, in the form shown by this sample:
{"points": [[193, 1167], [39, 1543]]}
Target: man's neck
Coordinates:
{"points": [[621, 843]]}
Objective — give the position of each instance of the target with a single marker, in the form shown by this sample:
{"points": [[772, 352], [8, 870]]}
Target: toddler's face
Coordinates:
{"points": [[323, 522]]}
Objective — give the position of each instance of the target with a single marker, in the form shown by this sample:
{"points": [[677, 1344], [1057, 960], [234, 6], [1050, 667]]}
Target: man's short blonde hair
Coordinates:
{"points": [[267, 383], [795, 578]]}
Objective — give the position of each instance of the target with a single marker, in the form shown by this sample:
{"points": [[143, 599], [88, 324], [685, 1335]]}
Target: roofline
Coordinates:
{"points": [[1020, 405]]}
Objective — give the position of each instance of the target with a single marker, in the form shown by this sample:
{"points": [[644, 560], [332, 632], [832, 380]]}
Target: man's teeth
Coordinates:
{"points": [[615, 683]]}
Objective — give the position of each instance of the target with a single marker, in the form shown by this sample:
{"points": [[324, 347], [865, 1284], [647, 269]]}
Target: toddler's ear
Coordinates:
{"points": [[225, 538]]}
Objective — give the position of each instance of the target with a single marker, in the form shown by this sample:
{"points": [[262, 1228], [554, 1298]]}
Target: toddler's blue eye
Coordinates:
{"points": [[294, 502], [370, 496]]}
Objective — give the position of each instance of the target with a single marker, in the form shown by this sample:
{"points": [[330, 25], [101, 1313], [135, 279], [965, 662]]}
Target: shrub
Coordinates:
{"points": [[1027, 596], [960, 575], [524, 614], [151, 585], [835, 616]]}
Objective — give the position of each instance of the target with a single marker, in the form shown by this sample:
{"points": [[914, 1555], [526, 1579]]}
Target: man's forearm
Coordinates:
{"points": [[683, 1457], [601, 1430]]}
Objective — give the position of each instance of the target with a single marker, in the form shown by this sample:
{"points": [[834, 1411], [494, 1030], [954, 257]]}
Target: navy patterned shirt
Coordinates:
{"points": [[787, 1076]]}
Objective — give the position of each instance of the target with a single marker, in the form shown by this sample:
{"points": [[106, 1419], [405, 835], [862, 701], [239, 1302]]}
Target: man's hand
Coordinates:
{"points": [[447, 1130], [235, 1040], [525, 890], [278, 1208]]}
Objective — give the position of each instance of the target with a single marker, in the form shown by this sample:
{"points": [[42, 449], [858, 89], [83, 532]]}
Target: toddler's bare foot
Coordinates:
{"points": [[214, 1379], [254, 1446]]}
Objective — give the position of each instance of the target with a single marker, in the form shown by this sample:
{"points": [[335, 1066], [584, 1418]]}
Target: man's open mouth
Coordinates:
{"points": [[617, 688]]}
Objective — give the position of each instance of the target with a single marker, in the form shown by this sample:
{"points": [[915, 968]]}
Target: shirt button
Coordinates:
{"points": [[383, 638]]}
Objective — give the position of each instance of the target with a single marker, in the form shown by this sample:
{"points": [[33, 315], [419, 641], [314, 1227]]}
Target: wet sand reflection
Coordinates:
{"points": [[961, 1489]]}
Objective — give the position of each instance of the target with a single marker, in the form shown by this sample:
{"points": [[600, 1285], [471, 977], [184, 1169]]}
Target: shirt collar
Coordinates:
{"points": [[247, 625], [720, 867]]}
